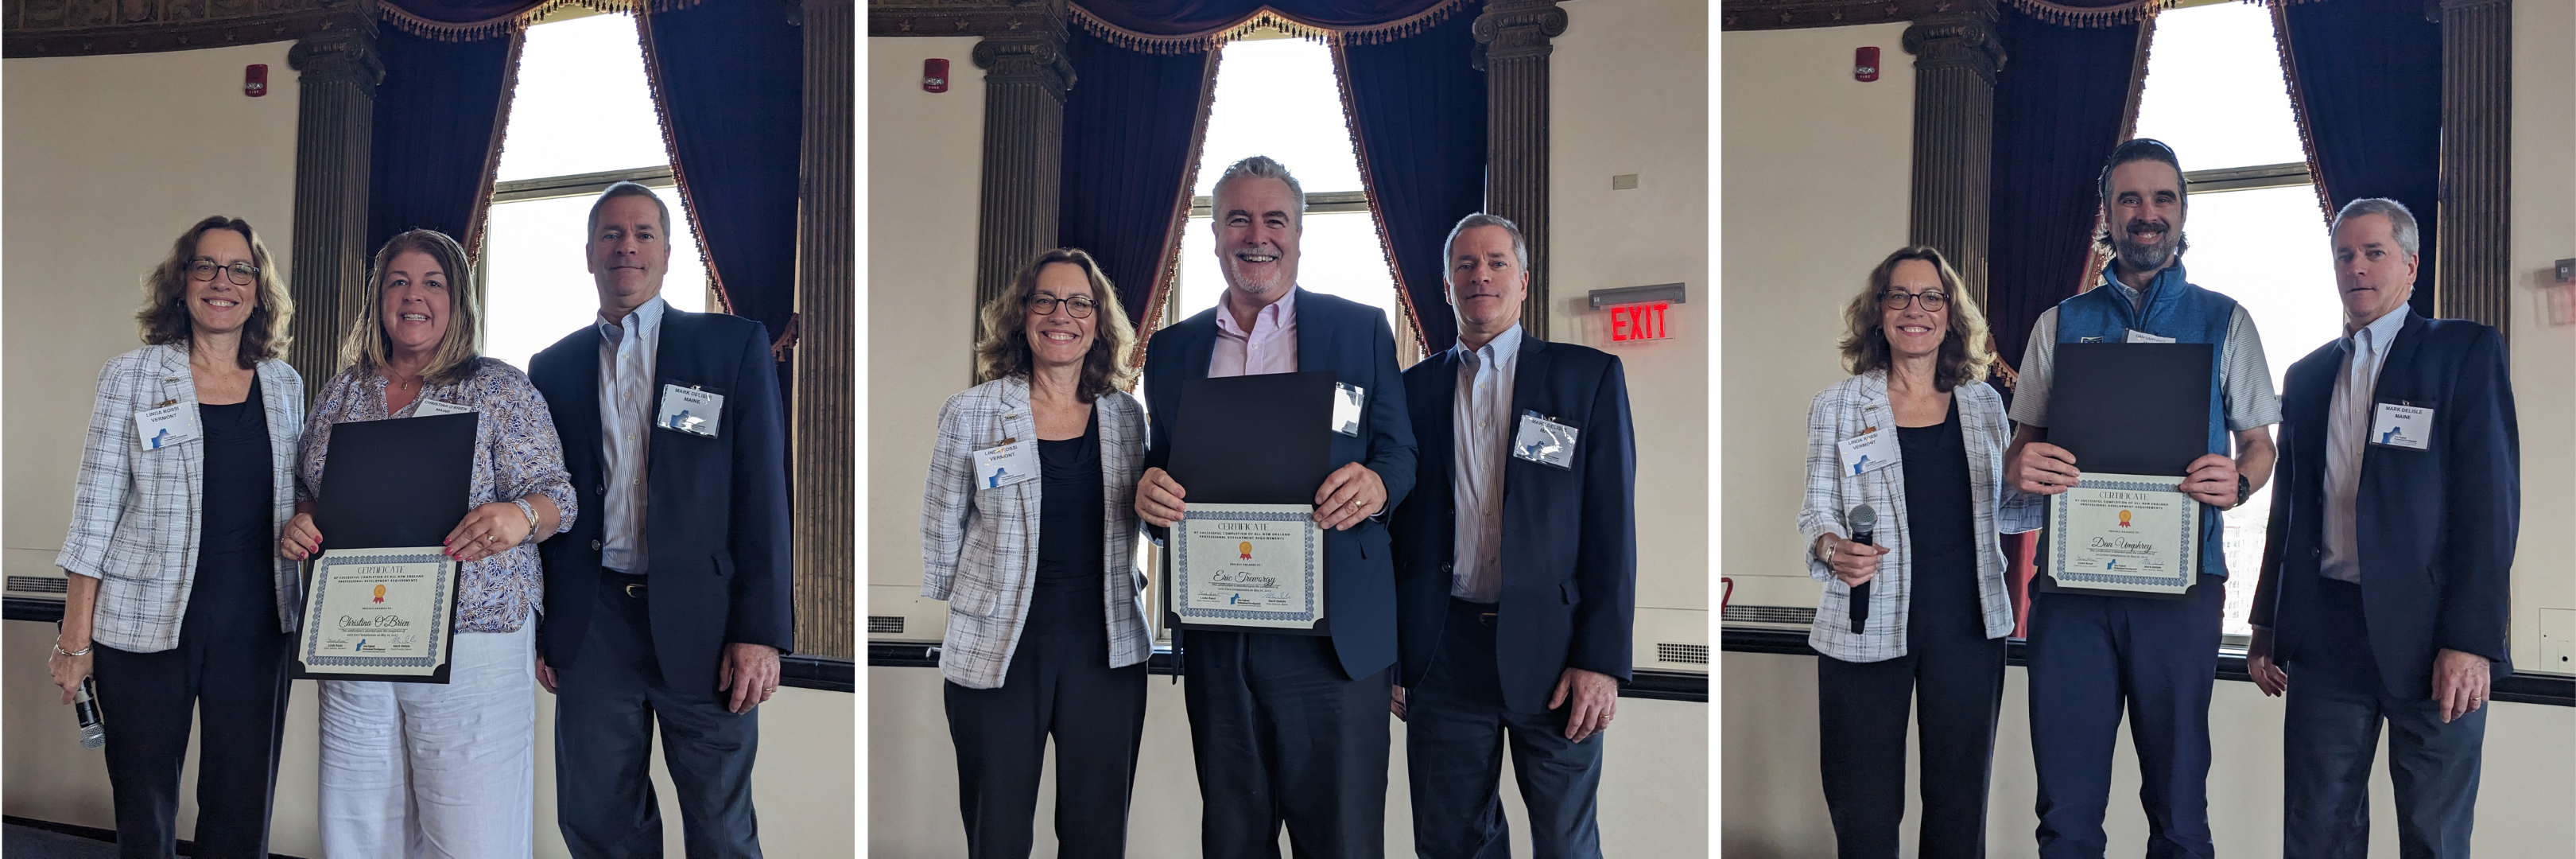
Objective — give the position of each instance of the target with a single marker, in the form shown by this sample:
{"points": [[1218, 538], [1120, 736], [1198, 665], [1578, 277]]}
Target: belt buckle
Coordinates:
{"points": [[631, 591], [1486, 618]]}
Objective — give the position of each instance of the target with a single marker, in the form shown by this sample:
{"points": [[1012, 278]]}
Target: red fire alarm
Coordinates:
{"points": [[1639, 322], [934, 75], [1865, 64], [255, 80]]}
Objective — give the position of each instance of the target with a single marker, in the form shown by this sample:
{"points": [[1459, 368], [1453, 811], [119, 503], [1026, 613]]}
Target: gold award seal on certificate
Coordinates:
{"points": [[1249, 565], [2124, 532], [378, 612]]}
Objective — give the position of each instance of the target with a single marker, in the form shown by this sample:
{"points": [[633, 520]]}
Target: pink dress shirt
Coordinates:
{"points": [[1270, 347]]}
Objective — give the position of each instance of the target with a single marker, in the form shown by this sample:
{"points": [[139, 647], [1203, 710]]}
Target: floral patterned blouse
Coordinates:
{"points": [[515, 453]]}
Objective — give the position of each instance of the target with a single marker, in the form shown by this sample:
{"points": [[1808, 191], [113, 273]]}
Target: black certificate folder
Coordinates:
{"points": [[1263, 439], [2131, 408], [394, 484]]}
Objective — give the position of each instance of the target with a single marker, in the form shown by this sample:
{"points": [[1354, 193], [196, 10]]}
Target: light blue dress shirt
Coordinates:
{"points": [[1481, 416], [626, 363], [2347, 429]]}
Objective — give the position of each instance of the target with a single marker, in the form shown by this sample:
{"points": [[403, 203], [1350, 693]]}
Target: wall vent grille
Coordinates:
{"points": [[1770, 614], [1696, 654], [39, 584], [885, 624]]}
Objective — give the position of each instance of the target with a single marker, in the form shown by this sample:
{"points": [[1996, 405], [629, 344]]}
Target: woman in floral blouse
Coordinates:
{"points": [[449, 768]]}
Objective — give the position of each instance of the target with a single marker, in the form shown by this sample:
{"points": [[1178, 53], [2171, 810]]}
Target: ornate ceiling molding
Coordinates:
{"points": [[967, 18], [68, 28], [1794, 14]]}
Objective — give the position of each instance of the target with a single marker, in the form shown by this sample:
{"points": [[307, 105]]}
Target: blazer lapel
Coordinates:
{"points": [[1529, 379], [1314, 342], [1436, 437], [580, 417]]}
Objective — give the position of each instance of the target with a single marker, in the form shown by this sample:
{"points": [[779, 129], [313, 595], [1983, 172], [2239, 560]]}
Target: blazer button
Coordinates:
{"points": [[2318, 552], [1445, 567], [594, 545]]}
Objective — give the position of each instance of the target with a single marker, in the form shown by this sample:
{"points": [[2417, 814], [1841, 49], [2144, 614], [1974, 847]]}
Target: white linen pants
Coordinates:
{"points": [[426, 771]]}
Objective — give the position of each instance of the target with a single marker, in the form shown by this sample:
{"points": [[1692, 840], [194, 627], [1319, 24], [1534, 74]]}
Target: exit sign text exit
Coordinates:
{"points": [[1630, 322]]}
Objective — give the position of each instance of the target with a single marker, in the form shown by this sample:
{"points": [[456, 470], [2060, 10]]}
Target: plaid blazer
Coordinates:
{"points": [[1846, 410], [979, 547], [135, 516]]}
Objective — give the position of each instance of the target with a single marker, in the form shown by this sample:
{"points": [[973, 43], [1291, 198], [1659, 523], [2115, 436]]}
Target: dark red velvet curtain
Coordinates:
{"points": [[2061, 102], [1417, 105], [437, 117], [1129, 144], [2366, 79]]}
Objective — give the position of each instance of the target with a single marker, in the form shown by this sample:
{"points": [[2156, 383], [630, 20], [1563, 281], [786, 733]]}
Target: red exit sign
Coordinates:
{"points": [[1631, 322]]}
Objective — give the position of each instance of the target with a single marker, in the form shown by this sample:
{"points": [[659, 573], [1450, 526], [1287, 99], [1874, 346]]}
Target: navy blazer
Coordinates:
{"points": [[2436, 526], [1353, 341], [715, 510], [1569, 554]]}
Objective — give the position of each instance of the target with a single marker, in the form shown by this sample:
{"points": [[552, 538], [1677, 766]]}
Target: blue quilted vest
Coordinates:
{"points": [[2188, 314]]}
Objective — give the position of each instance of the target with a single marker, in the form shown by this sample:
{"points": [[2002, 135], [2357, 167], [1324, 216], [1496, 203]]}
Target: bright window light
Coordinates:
{"points": [[1279, 97], [582, 106], [2214, 89]]}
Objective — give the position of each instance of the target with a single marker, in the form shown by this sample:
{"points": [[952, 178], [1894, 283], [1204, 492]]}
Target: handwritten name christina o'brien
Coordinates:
{"points": [[382, 621], [1227, 578]]}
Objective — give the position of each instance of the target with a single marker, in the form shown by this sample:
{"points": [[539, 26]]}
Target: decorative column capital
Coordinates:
{"points": [[1517, 30], [1027, 57], [1957, 40], [343, 54]]}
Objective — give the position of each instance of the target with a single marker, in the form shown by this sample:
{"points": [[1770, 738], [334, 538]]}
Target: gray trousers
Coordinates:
{"points": [[606, 708]]}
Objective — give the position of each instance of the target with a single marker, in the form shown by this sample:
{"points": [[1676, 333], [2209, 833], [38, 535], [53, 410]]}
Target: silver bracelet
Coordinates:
{"points": [[58, 649]]}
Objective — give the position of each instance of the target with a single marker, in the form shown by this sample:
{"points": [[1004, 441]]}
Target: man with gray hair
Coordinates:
{"points": [[1516, 566], [1290, 729], [2384, 588]]}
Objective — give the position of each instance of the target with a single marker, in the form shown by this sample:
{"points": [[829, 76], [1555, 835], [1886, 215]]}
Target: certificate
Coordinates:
{"points": [[1248, 566], [2124, 532], [379, 614]]}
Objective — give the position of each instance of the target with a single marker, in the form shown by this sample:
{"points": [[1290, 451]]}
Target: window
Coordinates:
{"points": [[581, 118], [2215, 91], [1296, 118]]}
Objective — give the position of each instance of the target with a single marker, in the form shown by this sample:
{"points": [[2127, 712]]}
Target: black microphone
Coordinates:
{"points": [[1864, 525]]}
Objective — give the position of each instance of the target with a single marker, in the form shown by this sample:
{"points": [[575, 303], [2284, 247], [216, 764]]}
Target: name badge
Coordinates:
{"points": [[167, 426], [2409, 427], [690, 410], [1348, 400], [429, 408], [1869, 451], [2137, 336], [1543, 440], [1005, 464]]}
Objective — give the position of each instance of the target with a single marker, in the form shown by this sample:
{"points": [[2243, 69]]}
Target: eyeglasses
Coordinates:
{"points": [[240, 273], [1932, 301], [1078, 306]]}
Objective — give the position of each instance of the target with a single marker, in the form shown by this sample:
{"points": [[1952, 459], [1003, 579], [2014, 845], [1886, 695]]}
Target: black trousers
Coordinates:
{"points": [[2330, 734], [1952, 676], [1059, 683], [229, 671], [1456, 729], [1281, 737], [606, 708]]}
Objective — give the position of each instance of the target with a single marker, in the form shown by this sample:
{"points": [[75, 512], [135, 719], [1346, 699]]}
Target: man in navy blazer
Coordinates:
{"points": [[672, 604], [1286, 728], [1516, 566], [2384, 586]]}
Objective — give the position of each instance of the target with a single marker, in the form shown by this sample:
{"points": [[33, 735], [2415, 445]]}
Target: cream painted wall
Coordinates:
{"points": [[109, 159], [1775, 802], [1629, 94], [924, 170], [1816, 168], [1654, 785], [2543, 338]]}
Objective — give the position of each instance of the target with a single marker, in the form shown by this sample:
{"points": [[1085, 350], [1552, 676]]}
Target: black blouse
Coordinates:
{"points": [[1940, 524], [1070, 510]]}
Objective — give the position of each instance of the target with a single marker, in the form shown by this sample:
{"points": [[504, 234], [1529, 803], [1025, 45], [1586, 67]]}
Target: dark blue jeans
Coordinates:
{"points": [[606, 708], [1456, 729], [2331, 734], [2091, 657]]}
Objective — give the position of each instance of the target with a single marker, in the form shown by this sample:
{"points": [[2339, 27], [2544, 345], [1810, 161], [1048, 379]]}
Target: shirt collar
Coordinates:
{"points": [[648, 317], [1499, 349], [1279, 313], [2381, 330]]}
